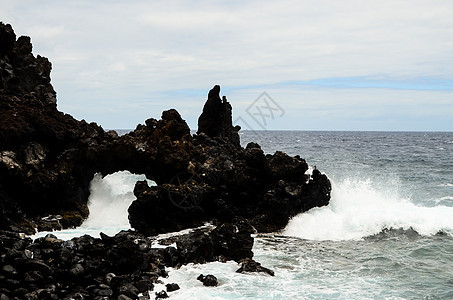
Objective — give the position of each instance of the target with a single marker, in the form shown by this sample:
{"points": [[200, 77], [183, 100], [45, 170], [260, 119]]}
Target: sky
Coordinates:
{"points": [[283, 65]]}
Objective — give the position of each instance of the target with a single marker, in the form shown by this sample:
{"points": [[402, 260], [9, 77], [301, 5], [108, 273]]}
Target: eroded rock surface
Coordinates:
{"points": [[217, 180], [48, 159]]}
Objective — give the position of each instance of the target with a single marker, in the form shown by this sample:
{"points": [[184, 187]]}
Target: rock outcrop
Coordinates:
{"points": [[217, 180], [216, 118], [42, 165], [124, 265], [47, 160], [208, 280]]}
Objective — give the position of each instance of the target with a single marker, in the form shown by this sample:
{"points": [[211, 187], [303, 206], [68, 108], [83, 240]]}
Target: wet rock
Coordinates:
{"points": [[208, 280], [47, 160], [171, 256], [233, 241], [129, 290], [144, 285], [77, 270], [161, 295], [249, 265], [154, 212], [197, 247], [9, 269], [171, 287]]}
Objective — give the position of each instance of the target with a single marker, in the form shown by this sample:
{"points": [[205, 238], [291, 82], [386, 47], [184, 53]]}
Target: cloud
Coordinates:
{"points": [[153, 53]]}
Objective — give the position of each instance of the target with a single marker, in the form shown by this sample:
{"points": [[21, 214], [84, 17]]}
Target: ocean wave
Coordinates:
{"points": [[361, 208], [109, 199], [447, 200]]}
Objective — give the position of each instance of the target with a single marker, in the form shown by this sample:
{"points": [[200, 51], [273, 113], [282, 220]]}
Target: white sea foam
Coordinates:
{"points": [[110, 197], [444, 200], [358, 209], [232, 285]]}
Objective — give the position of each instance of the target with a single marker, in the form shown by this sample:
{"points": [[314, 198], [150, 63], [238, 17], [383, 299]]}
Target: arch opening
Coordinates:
{"points": [[109, 200]]}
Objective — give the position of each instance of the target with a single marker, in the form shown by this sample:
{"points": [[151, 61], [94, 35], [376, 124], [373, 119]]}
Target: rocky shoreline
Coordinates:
{"points": [[48, 159], [126, 266]]}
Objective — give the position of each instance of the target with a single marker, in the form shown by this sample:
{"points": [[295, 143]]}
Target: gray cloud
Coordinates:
{"points": [[119, 63]]}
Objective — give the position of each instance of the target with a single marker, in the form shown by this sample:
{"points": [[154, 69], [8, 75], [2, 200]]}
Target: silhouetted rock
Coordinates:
{"points": [[208, 280], [48, 159], [216, 118], [161, 295], [171, 287], [85, 265], [221, 182], [248, 265]]}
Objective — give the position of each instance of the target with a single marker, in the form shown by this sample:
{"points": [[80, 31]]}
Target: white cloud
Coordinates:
{"points": [[115, 52]]}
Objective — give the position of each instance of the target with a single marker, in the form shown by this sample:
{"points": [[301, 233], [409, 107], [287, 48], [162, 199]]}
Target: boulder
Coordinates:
{"points": [[171, 287], [208, 280], [248, 265]]}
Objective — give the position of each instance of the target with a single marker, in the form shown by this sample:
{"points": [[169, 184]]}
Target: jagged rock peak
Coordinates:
{"points": [[216, 118], [22, 74]]}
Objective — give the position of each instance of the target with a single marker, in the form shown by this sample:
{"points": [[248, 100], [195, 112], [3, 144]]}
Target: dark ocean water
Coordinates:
{"points": [[381, 180], [387, 233]]}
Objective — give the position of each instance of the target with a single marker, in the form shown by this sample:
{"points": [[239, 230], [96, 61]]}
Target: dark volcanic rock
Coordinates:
{"points": [[161, 295], [47, 160], [225, 242], [222, 181], [42, 170], [216, 118], [248, 265], [171, 287], [54, 269], [154, 212], [208, 280]]}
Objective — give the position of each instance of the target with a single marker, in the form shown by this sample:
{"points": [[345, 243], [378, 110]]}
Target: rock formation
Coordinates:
{"points": [[116, 267], [220, 181], [216, 118], [48, 159], [42, 170]]}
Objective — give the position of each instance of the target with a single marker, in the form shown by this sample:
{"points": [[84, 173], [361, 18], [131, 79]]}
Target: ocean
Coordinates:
{"points": [[387, 233]]}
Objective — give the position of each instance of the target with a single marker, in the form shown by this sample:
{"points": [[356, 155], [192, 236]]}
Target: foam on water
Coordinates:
{"points": [[360, 208], [312, 267], [110, 197]]}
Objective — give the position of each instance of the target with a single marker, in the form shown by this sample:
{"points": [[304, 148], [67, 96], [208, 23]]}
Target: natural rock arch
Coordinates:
{"points": [[47, 160]]}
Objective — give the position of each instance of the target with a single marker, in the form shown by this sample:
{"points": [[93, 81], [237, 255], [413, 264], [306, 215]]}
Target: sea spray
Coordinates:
{"points": [[109, 199], [360, 208], [369, 170]]}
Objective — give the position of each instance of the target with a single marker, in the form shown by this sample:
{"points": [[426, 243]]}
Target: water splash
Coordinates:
{"points": [[360, 208], [110, 197]]}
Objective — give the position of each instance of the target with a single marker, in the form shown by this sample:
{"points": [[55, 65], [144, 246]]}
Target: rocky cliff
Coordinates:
{"points": [[47, 160]]}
